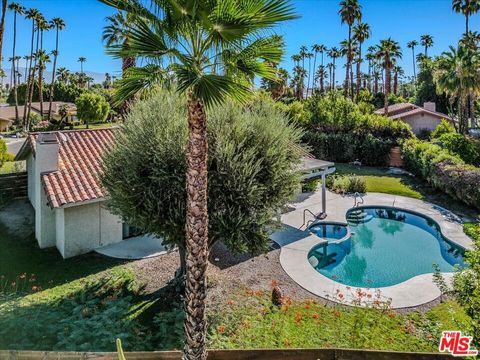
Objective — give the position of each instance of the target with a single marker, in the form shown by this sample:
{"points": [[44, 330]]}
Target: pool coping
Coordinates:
{"points": [[413, 292]]}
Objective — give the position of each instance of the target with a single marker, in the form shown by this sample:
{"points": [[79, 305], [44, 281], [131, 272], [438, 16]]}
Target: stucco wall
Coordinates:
{"points": [[422, 121], [45, 227], [31, 179], [88, 227]]}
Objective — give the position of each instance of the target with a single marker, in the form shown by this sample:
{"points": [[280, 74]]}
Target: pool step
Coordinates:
{"points": [[359, 220]]}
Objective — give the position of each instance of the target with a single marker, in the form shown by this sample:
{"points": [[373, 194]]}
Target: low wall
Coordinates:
{"points": [[13, 185], [283, 354]]}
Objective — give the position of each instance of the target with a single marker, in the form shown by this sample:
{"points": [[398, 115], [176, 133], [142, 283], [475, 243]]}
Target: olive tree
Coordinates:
{"points": [[253, 152], [92, 108]]}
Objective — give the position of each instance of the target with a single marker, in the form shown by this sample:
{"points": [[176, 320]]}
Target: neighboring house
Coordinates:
{"points": [[7, 113], [419, 118], [65, 191]]}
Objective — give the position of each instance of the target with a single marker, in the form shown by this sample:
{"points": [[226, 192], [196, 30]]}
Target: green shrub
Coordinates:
{"points": [[458, 144], [348, 147], [348, 184], [445, 127], [444, 171], [310, 186], [4, 155], [92, 108]]}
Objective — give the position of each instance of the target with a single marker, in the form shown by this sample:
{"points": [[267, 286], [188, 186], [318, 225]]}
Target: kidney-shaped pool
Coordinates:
{"points": [[387, 246]]}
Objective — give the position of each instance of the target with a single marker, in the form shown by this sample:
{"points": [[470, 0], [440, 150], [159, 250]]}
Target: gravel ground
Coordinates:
{"points": [[229, 275]]}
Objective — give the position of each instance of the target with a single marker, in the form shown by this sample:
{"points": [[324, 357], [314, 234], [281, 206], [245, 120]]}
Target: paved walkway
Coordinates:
{"points": [[139, 247], [296, 244]]}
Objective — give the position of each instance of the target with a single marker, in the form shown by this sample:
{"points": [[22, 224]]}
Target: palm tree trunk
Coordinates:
{"points": [[2, 27], [395, 83], [27, 87], [466, 24], [333, 78], [196, 232], [52, 85], [40, 89], [359, 77], [414, 66], [388, 80], [32, 85], [349, 54], [15, 92], [314, 64]]}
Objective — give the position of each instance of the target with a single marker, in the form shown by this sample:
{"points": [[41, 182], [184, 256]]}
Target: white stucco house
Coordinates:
{"points": [[65, 192], [419, 118]]}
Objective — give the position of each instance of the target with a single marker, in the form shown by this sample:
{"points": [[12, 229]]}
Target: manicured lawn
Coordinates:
{"points": [[380, 180]]}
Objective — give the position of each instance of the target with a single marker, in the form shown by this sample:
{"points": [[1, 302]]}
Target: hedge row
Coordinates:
{"points": [[444, 171], [347, 147]]}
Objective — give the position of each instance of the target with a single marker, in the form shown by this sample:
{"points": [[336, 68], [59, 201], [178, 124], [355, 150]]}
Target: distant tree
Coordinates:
{"points": [[2, 27], [397, 72], [58, 24], [350, 11], [17, 10], [92, 108], [467, 8], [62, 75], [361, 32], [387, 52], [411, 45], [43, 59], [82, 60], [427, 90], [334, 53], [427, 42]]}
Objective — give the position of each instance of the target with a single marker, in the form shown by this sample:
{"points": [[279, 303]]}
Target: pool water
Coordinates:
{"points": [[329, 230], [387, 246]]}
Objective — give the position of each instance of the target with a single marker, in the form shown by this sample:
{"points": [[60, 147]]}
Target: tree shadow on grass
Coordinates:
{"points": [[91, 316]]}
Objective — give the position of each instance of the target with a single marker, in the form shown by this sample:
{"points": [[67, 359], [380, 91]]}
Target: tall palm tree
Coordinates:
{"points": [[296, 59], [330, 68], [62, 75], [17, 10], [320, 75], [397, 73], [116, 32], [334, 53], [42, 58], [210, 62], [58, 24], [82, 60], [33, 15], [427, 42], [411, 45], [456, 74], [303, 54], [309, 56], [38, 22], [350, 11], [361, 32], [467, 8], [387, 52], [316, 50]]}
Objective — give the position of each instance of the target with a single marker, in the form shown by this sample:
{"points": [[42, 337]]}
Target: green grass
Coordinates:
{"points": [[472, 230], [379, 180], [96, 126], [255, 323]]}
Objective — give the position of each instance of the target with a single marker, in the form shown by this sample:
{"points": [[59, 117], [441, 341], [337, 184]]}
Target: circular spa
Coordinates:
{"points": [[386, 246]]}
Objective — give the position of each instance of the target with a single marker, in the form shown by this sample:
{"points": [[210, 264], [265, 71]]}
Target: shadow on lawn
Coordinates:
{"points": [[91, 315], [21, 256]]}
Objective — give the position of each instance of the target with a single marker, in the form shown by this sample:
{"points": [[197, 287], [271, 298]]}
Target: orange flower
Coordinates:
{"points": [[275, 282], [231, 302], [298, 317], [221, 329], [259, 293], [337, 313], [315, 316]]}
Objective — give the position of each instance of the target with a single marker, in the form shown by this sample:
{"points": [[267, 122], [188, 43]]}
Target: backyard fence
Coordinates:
{"points": [[14, 185], [280, 354]]}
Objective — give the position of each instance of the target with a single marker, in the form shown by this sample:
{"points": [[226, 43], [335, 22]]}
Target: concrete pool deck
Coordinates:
{"points": [[295, 245]]}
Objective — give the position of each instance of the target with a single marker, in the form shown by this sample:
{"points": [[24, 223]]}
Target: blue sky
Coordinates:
{"points": [[403, 20]]}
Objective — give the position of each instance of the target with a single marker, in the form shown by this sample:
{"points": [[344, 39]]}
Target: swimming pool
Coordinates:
{"points": [[330, 230], [387, 246]]}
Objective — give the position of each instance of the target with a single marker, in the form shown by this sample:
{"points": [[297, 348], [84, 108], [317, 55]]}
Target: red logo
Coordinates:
{"points": [[456, 344]]}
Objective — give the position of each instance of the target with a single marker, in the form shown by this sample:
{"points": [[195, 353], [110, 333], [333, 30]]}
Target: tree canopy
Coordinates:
{"points": [[92, 107], [250, 175]]}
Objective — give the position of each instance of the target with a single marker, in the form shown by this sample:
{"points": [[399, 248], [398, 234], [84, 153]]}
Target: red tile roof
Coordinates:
{"points": [[80, 157], [402, 110]]}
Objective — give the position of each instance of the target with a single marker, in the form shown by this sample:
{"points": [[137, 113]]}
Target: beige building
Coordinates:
{"points": [[7, 113], [419, 118], [65, 191]]}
